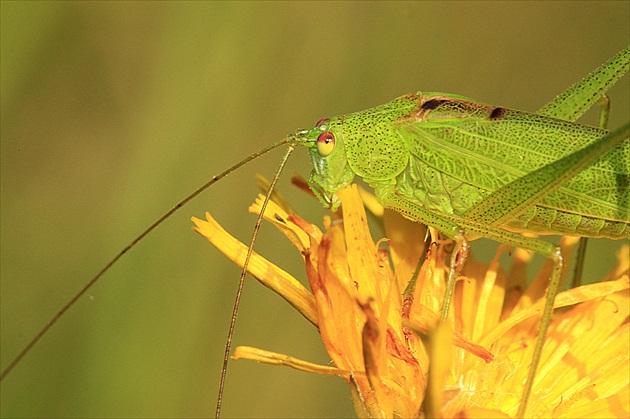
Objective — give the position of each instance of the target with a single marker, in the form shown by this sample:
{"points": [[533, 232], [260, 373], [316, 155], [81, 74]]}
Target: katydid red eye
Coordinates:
{"points": [[325, 143]]}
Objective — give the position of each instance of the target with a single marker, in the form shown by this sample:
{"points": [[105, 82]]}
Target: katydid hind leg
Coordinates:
{"points": [[578, 271], [577, 99], [511, 200], [540, 246], [486, 228]]}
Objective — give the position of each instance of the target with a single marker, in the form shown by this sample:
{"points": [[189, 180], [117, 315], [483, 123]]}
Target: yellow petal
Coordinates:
{"points": [[375, 362], [440, 341], [422, 321], [566, 298], [264, 271], [274, 358], [276, 215], [276, 197]]}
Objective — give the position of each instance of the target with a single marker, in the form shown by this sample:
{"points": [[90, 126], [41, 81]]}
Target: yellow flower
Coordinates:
{"points": [[385, 341]]}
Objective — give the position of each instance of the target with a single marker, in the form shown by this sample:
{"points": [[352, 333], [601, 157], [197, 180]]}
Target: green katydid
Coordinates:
{"points": [[473, 213], [528, 173], [537, 173]]}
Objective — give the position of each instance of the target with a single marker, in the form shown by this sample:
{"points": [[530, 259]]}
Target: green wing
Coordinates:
{"points": [[462, 151]]}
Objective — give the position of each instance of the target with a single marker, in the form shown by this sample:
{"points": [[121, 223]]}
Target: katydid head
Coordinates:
{"points": [[330, 165], [363, 143]]}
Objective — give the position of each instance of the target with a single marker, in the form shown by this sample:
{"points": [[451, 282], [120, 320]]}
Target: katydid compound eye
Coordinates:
{"points": [[325, 143]]}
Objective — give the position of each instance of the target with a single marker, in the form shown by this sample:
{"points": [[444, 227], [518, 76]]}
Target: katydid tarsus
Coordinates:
{"points": [[470, 170]]}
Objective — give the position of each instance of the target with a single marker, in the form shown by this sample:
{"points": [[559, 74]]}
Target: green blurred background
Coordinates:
{"points": [[111, 112]]}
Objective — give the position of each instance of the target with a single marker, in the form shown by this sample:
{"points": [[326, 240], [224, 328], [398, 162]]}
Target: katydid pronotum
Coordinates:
{"points": [[493, 197]]}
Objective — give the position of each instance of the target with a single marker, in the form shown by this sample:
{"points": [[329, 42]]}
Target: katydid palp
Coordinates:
{"points": [[437, 108]]}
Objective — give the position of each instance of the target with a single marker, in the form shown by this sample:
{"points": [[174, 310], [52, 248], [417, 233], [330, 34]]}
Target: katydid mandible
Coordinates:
{"points": [[470, 170]]}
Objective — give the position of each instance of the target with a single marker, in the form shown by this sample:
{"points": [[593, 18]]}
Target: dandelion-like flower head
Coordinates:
{"points": [[384, 338]]}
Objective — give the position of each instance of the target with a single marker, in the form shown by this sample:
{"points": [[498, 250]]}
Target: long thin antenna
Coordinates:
{"points": [[239, 292], [135, 241]]}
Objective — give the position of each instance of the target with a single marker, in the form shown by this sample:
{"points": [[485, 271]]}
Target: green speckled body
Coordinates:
{"points": [[436, 157], [472, 170], [458, 155]]}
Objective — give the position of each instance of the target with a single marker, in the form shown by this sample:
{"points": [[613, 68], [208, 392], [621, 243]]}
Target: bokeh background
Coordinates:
{"points": [[112, 112]]}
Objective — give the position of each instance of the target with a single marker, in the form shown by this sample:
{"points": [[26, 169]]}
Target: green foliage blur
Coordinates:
{"points": [[112, 112]]}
